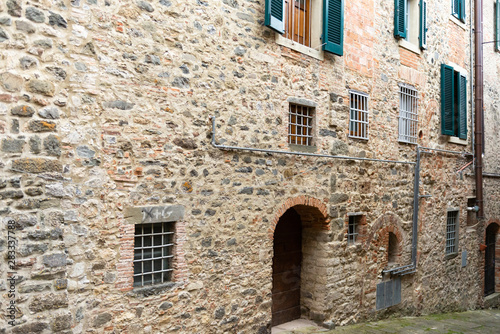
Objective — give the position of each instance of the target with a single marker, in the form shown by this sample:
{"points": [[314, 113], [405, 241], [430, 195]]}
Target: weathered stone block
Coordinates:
{"points": [[55, 260], [49, 113], [34, 288], [25, 26], [85, 152], [185, 143], [35, 15], [34, 327], [11, 82], [102, 319], [41, 126], [61, 284], [49, 301], [37, 165], [35, 144], [58, 72], [61, 322], [119, 104], [57, 20], [52, 145], [154, 214], [22, 111], [12, 145], [14, 7], [28, 249], [41, 87], [33, 191], [3, 35], [14, 194]]}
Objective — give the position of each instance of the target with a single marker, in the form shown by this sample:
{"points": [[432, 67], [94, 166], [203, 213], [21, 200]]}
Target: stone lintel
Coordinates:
{"points": [[302, 102], [154, 214]]}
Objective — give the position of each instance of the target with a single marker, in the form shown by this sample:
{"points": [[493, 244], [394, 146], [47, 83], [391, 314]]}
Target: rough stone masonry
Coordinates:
{"points": [[105, 126]]}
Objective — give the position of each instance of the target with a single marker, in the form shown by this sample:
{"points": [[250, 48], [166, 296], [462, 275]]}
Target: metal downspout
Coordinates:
{"points": [[478, 131], [414, 239], [471, 81]]}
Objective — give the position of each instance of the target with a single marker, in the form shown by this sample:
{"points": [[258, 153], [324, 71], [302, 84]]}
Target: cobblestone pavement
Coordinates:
{"points": [[481, 321]]}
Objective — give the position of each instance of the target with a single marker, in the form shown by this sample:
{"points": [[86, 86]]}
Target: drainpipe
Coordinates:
{"points": [[471, 81], [416, 198], [478, 130]]}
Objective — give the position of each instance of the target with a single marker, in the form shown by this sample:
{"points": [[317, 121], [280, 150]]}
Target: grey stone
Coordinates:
{"points": [[22, 111], [3, 35], [61, 284], [246, 17], [81, 67], [154, 214], [53, 234], [3, 184], [55, 190], [30, 328], [61, 322], [28, 204], [34, 288], [25, 26], [15, 126], [55, 260], [244, 170], [166, 306], [35, 144], [41, 126], [28, 249], [89, 49], [37, 165], [145, 6], [327, 133], [231, 242], [240, 51], [85, 152], [35, 15], [166, 3], [15, 182], [33, 191], [5, 21], [152, 59], [41, 87], [302, 102], [50, 301], [259, 172], [210, 212], [58, 72], [180, 82], [232, 3], [102, 319], [339, 148], [14, 8], [14, 194], [219, 313], [27, 62], [246, 190], [185, 143], [11, 82], [57, 20], [43, 43], [49, 113], [328, 325], [119, 104], [52, 145], [338, 198], [12, 145]]}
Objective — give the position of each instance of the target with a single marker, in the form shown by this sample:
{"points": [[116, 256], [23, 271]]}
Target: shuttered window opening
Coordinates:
{"points": [[453, 103], [358, 118], [300, 125], [422, 37], [153, 253], [451, 232], [408, 114], [298, 21], [458, 9]]}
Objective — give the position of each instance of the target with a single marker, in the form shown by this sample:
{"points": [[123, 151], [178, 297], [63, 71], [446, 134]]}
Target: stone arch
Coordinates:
{"points": [[491, 258], [313, 212]]}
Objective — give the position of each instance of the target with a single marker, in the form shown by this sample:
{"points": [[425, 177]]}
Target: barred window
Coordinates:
{"points": [[353, 229], [300, 125], [358, 119], [451, 232], [408, 117], [153, 253], [298, 21]]}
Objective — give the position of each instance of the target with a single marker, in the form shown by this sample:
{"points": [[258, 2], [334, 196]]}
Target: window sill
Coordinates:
{"points": [[451, 256], [156, 289], [456, 140], [409, 46], [280, 40], [458, 22], [302, 148]]}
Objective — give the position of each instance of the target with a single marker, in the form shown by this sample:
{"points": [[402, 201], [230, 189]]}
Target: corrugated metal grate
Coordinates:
{"points": [[388, 293]]}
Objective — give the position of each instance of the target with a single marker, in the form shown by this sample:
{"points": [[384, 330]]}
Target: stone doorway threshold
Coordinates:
{"points": [[302, 325]]}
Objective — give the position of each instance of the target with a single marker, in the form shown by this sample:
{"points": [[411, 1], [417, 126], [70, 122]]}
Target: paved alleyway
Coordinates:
{"points": [[481, 321]]}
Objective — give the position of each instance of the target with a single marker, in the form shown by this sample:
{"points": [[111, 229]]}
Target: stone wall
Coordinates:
{"points": [[105, 107]]}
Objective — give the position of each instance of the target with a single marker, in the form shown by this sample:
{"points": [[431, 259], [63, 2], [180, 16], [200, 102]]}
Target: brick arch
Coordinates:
{"points": [[379, 234], [490, 222], [312, 211]]}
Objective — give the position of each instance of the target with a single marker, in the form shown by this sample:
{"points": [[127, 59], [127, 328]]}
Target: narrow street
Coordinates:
{"points": [[480, 321]]}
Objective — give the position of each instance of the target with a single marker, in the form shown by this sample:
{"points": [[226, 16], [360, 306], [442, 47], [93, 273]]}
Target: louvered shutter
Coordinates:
{"points": [[399, 18], [333, 26], [462, 105], [497, 26], [274, 15], [462, 10], [447, 101], [456, 7], [423, 24]]}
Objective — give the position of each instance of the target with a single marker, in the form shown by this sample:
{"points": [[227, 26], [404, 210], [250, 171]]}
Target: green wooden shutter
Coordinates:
{"points": [[447, 101], [423, 24], [399, 18], [497, 26], [274, 15], [462, 10], [333, 26], [462, 105], [456, 8]]}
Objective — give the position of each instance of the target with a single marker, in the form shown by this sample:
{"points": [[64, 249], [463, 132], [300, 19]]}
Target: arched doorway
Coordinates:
{"points": [[287, 261], [489, 259]]}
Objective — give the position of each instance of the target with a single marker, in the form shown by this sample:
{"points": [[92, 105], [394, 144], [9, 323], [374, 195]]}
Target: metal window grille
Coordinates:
{"points": [[408, 114], [451, 232], [300, 125], [153, 253], [352, 231], [298, 21], [358, 122]]}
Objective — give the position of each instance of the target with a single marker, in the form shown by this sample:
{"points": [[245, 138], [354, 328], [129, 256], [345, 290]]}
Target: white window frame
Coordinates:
{"points": [[408, 114], [358, 115]]}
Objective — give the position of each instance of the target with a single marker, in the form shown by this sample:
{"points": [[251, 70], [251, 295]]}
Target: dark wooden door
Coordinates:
{"points": [[489, 261], [286, 268]]}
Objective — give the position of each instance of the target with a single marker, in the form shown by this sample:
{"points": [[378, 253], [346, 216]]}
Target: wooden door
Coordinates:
{"points": [[286, 268], [489, 261]]}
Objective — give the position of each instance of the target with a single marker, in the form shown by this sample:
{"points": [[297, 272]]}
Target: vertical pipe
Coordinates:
{"points": [[478, 131], [471, 81], [414, 237]]}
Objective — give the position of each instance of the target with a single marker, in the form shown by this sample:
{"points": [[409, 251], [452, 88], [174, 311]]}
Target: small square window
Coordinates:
{"points": [[452, 232], [353, 229], [153, 253], [408, 114], [358, 118], [300, 125]]}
